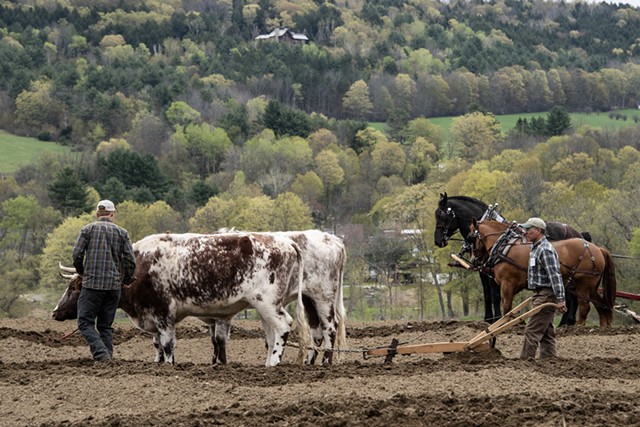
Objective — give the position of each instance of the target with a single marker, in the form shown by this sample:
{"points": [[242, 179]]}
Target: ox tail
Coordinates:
{"points": [[609, 283], [341, 315], [303, 330]]}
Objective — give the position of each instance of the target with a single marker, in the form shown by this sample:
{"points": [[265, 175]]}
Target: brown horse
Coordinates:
{"points": [[583, 265]]}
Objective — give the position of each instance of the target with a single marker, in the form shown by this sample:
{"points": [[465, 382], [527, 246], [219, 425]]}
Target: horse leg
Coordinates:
{"points": [[486, 294], [604, 313], [507, 297], [583, 309], [569, 317], [496, 299]]}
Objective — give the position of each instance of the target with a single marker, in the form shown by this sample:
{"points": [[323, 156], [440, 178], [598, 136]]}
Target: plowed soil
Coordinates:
{"points": [[49, 380]]}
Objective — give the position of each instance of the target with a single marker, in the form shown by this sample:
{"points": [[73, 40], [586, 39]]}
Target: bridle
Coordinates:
{"points": [[450, 217]]}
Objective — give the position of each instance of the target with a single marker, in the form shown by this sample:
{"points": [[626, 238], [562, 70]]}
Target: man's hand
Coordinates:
{"points": [[562, 307]]}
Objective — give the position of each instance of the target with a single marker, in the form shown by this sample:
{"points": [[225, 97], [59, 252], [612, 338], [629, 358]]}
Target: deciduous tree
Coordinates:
{"points": [[356, 101]]}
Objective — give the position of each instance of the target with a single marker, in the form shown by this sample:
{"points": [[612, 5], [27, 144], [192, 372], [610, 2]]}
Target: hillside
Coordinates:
{"points": [[16, 151]]}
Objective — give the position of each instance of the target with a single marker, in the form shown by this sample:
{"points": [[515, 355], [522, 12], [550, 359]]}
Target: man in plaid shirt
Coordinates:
{"points": [[545, 281], [103, 256]]}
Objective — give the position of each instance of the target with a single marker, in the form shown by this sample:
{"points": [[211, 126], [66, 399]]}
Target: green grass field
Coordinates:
{"points": [[16, 151], [597, 120]]}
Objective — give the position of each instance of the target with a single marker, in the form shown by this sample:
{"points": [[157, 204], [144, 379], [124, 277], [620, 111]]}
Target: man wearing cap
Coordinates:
{"points": [[103, 256], [544, 279]]}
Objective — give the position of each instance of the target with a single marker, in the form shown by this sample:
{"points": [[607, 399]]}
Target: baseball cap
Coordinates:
{"points": [[106, 205], [534, 222]]}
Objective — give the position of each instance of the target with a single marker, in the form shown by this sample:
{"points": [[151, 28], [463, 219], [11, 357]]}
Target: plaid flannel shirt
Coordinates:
{"points": [[103, 254], [545, 271]]}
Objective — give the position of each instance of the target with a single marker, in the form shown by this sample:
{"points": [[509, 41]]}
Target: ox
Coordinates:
{"points": [[211, 277], [324, 258]]}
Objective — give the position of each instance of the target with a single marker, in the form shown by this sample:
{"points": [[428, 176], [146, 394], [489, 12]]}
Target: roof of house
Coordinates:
{"points": [[279, 32]]}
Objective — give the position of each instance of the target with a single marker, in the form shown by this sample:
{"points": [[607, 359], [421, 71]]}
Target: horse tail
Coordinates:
{"points": [[609, 283]]}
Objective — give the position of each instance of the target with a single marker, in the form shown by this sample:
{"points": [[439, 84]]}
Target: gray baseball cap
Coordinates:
{"points": [[534, 222]]}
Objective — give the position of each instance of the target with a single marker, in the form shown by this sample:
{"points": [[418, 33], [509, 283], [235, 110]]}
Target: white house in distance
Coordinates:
{"points": [[284, 35]]}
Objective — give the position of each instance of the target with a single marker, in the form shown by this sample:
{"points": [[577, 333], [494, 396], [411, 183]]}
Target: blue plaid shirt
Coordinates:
{"points": [[103, 255], [544, 268]]}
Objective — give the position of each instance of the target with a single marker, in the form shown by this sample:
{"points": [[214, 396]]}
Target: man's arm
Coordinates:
{"points": [[128, 261], [552, 265], [78, 253]]}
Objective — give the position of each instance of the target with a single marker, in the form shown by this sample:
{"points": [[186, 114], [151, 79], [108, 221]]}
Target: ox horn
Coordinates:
{"points": [[66, 276], [66, 269]]}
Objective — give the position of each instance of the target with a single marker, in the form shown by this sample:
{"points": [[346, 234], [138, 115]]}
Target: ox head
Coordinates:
{"points": [[67, 307]]}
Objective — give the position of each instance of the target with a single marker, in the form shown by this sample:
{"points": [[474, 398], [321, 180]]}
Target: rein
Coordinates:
{"points": [[70, 333]]}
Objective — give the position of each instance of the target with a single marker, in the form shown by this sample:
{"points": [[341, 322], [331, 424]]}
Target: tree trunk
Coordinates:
{"points": [[450, 313], [440, 298]]}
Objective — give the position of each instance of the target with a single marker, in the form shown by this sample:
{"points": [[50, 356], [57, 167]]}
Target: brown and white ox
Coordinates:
{"points": [[324, 257], [211, 277]]}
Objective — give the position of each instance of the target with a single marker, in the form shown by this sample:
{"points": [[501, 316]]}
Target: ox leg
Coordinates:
{"points": [[167, 338], [219, 331], [324, 335], [159, 352], [277, 324], [329, 338], [316, 327]]}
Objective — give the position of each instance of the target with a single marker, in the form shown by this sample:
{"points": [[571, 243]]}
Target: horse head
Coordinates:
{"points": [[477, 243], [445, 222], [445, 226]]}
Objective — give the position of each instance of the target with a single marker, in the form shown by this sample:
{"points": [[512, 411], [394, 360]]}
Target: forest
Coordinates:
{"points": [[175, 110]]}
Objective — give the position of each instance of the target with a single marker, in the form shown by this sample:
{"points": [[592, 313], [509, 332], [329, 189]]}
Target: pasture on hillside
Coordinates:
{"points": [[17, 151], [601, 120]]}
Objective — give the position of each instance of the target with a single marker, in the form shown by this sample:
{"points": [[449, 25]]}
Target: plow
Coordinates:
{"points": [[479, 343]]}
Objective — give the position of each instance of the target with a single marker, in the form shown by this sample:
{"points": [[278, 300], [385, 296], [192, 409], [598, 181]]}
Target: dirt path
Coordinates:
{"points": [[47, 381]]}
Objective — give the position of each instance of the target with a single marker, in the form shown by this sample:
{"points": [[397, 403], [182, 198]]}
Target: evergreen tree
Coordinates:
{"points": [[286, 121], [558, 121], [68, 193]]}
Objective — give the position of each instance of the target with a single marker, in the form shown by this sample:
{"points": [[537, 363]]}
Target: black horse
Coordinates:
{"points": [[455, 214]]}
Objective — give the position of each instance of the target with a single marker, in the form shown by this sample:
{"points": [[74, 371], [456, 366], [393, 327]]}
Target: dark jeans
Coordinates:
{"points": [[97, 310]]}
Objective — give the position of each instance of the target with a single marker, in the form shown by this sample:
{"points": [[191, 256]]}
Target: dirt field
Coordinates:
{"points": [[48, 381]]}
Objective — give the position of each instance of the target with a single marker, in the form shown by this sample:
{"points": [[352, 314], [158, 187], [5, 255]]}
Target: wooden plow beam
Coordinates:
{"points": [[475, 344]]}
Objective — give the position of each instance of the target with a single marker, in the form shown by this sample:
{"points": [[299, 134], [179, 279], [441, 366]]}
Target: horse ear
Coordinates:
{"points": [[474, 221], [443, 199]]}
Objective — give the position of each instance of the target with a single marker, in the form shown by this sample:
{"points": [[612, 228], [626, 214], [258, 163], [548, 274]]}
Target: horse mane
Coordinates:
{"points": [[469, 199]]}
